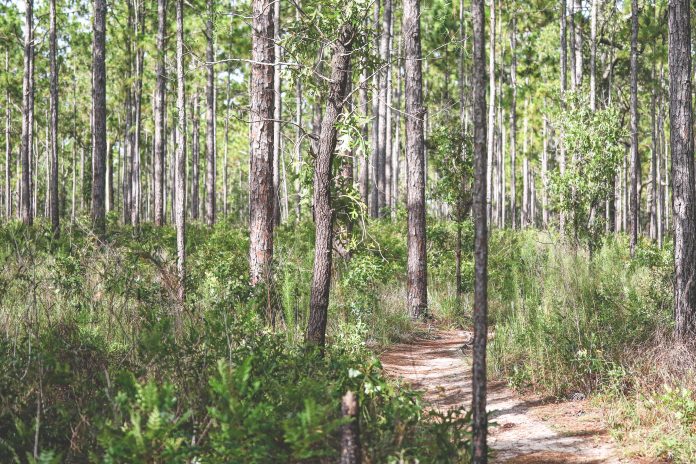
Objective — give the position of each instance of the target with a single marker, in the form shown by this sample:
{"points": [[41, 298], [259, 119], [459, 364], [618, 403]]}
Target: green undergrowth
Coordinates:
{"points": [[101, 365]]}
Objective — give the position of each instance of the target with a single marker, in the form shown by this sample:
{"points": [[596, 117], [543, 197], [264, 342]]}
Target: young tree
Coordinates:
{"points": [[277, 115], [491, 107], [26, 212], [210, 126], [323, 213], [634, 203], [513, 123], [8, 148], [261, 143], [53, 123], [99, 118], [415, 159], [478, 397], [160, 104], [682, 148], [180, 162], [195, 156]]}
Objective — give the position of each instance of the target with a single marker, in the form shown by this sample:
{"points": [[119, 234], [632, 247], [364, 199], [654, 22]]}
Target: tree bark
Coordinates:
{"points": [[478, 398], [513, 123], [160, 104], [634, 202], [323, 213], [180, 163], [417, 294], [53, 123], [384, 54], [27, 114], [210, 122], [277, 115], [350, 431], [490, 145], [99, 116], [682, 148], [261, 142], [8, 146], [195, 156]]}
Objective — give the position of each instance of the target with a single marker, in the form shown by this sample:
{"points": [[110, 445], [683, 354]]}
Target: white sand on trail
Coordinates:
{"points": [[528, 430]]}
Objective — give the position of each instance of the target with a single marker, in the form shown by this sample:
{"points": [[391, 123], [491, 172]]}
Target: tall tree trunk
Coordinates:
{"points": [[53, 123], [374, 197], [261, 140], [417, 293], [682, 148], [364, 177], [8, 147], [577, 21], [593, 55], [490, 145], [298, 147], [513, 124], [27, 214], [195, 156], [323, 213], [564, 87], [160, 104], [277, 115], [227, 142], [384, 54], [210, 121], [99, 116], [478, 397], [180, 170], [635, 160], [136, 188]]}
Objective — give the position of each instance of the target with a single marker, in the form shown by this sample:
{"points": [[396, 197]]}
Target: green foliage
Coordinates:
{"points": [[594, 149]]}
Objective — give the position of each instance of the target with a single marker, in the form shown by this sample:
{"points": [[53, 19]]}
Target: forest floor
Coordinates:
{"points": [[525, 429]]}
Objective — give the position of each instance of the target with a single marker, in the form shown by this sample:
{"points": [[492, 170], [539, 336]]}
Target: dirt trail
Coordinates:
{"points": [[529, 430]]}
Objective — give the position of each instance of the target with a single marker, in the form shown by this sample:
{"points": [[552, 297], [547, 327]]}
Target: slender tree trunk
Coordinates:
{"points": [[384, 53], [635, 160], [374, 197], [544, 176], [136, 188], [323, 213], [490, 145], [593, 55], [180, 163], [160, 103], [564, 86], [577, 22], [682, 148], [653, 153], [27, 113], [227, 142], [417, 293], [195, 156], [53, 123], [261, 140], [277, 115], [210, 122], [513, 124], [478, 397], [364, 177], [8, 146], [298, 147], [99, 116]]}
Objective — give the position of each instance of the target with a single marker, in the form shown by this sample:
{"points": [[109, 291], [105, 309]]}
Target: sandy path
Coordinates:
{"points": [[529, 430]]}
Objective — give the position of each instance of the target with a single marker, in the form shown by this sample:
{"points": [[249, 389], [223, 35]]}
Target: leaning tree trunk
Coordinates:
{"points": [[478, 397], [53, 124], [415, 159], [99, 117], [682, 148], [261, 141], [27, 115], [160, 104], [635, 160], [323, 214], [180, 162], [210, 129]]}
